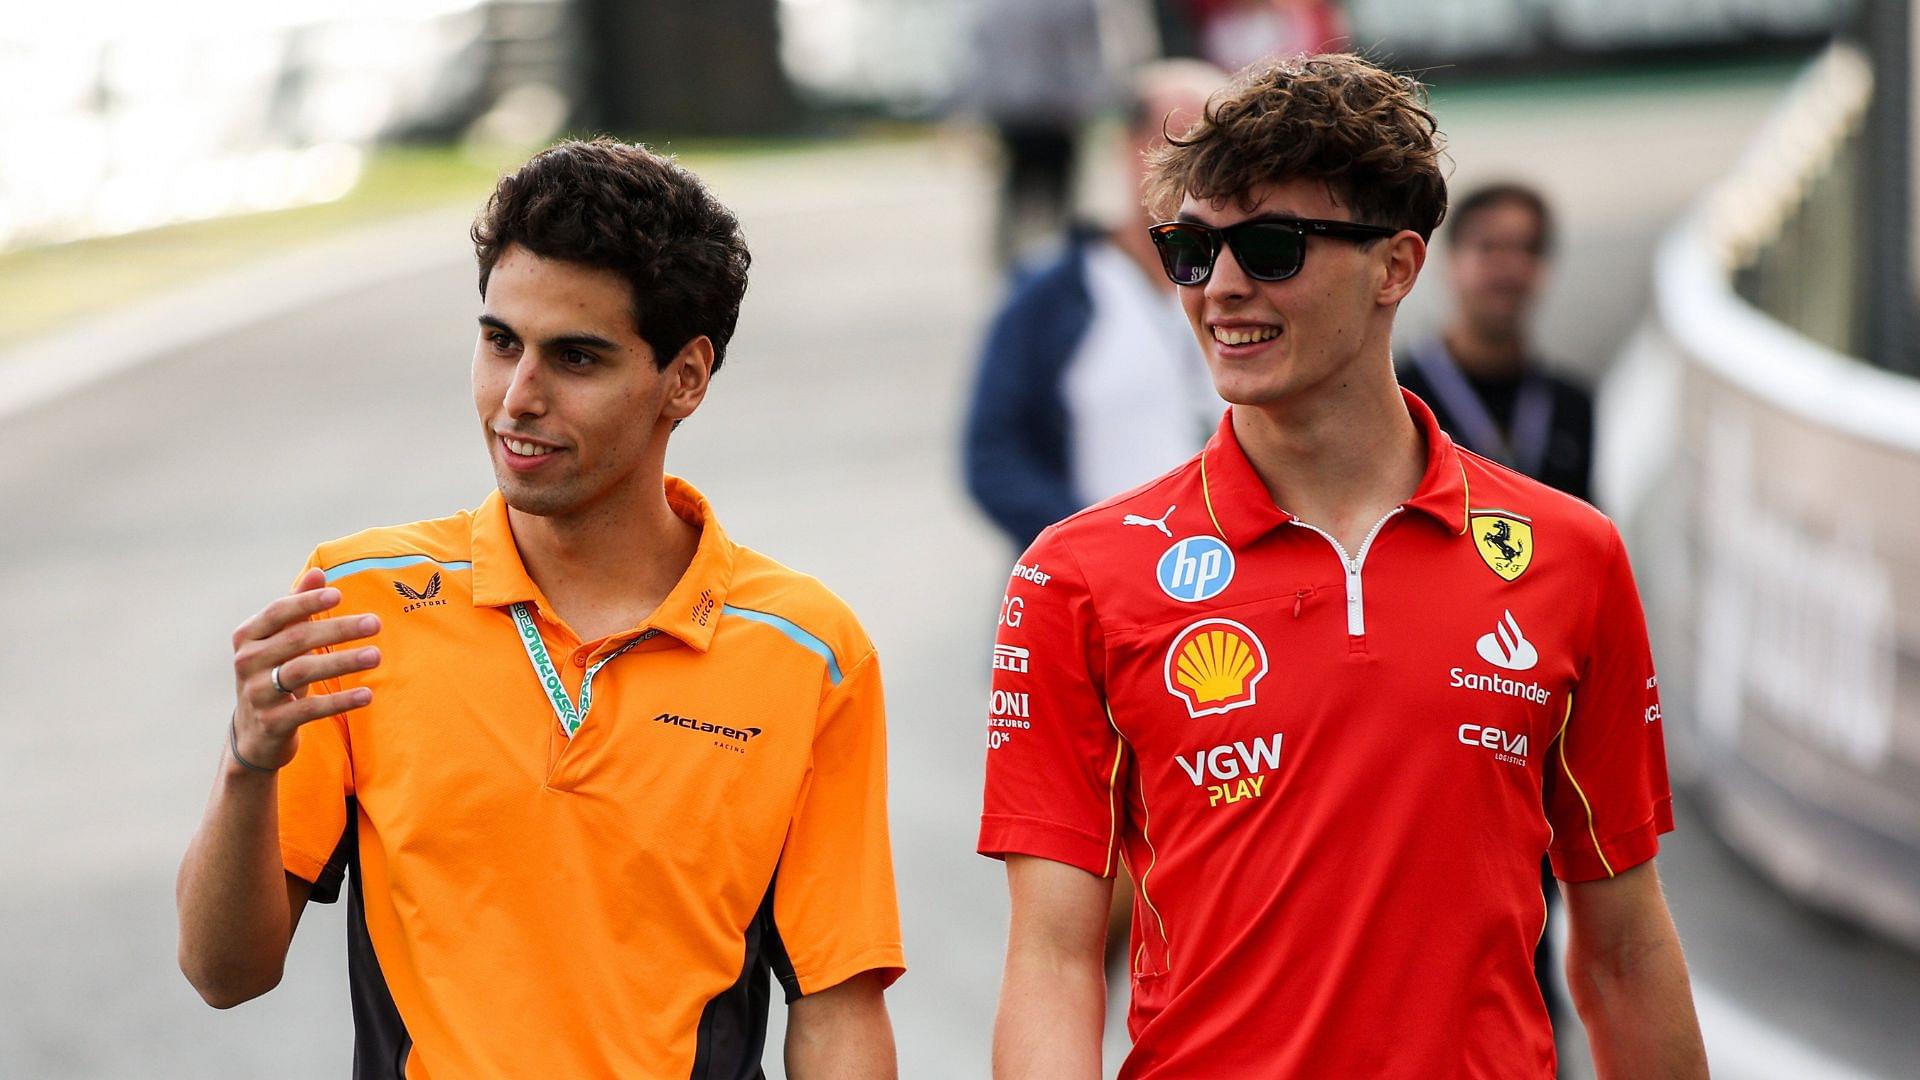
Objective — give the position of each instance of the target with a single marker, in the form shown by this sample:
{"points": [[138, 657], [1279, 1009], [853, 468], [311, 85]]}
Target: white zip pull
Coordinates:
{"points": [[1356, 603], [1356, 608]]}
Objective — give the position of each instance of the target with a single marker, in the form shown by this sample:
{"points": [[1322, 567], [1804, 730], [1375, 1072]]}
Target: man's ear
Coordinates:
{"points": [[687, 375], [1406, 254]]}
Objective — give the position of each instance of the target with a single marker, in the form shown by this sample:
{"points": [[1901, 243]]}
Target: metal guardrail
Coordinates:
{"points": [[1769, 485]]}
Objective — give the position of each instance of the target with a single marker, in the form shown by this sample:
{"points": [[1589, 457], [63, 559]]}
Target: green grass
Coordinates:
{"points": [[44, 287]]}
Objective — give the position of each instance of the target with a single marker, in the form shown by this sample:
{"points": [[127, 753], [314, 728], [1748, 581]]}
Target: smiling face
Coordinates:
{"points": [[575, 409], [1268, 342]]}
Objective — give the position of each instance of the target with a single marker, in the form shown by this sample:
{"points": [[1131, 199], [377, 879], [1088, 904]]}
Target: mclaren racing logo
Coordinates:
{"points": [[727, 738], [1214, 665], [1504, 540]]}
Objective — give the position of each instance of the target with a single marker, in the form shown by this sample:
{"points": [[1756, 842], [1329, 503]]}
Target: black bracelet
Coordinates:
{"points": [[233, 743]]}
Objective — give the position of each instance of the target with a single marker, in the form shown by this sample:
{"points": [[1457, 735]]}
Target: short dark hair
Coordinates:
{"points": [[1337, 118], [622, 207], [1496, 194]]}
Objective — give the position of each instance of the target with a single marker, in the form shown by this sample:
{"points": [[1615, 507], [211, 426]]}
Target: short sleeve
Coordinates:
{"points": [[834, 907], [314, 793], [1607, 792], [1053, 756]]}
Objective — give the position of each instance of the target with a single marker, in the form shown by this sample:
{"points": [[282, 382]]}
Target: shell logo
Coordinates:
{"points": [[1213, 666]]}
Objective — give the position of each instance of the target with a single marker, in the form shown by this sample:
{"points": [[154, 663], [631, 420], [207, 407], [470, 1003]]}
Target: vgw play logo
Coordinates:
{"points": [[1232, 771]]}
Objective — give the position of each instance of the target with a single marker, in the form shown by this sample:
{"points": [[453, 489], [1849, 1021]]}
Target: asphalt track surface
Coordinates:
{"points": [[144, 516]]}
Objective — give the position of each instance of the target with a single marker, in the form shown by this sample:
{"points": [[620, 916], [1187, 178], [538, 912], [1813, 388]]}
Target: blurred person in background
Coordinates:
{"points": [[1090, 381], [540, 886], [1235, 33], [1482, 375], [1040, 72], [1489, 390], [1335, 714]]}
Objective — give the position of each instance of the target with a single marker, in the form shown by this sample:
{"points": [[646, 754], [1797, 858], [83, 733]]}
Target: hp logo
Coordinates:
{"points": [[1195, 569]]}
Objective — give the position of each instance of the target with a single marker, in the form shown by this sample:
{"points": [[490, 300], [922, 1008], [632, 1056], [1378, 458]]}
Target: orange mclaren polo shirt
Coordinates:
{"points": [[529, 903]]}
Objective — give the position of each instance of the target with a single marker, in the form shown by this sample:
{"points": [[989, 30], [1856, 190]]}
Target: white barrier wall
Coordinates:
{"points": [[1770, 489]]}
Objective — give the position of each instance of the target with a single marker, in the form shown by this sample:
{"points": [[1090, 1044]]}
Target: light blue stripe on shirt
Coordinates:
{"points": [[788, 627], [391, 562]]}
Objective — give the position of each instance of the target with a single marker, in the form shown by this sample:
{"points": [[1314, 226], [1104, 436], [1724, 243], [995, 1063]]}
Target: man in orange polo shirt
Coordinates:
{"points": [[591, 769]]}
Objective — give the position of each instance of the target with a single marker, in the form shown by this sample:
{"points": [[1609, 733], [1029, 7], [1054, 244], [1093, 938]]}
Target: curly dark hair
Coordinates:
{"points": [[1365, 132], [624, 208]]}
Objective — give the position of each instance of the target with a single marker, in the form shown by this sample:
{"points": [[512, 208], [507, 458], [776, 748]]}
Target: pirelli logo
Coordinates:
{"points": [[1010, 658]]}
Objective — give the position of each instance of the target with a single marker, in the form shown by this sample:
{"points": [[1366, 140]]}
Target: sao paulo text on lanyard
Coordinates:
{"points": [[570, 718]]}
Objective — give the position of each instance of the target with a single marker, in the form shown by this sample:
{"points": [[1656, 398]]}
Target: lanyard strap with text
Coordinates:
{"points": [[1532, 413], [543, 669]]}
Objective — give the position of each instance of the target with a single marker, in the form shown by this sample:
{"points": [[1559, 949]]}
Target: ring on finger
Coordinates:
{"points": [[274, 677]]}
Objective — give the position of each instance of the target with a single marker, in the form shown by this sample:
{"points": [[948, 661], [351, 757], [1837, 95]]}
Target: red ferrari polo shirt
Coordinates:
{"points": [[1331, 773]]}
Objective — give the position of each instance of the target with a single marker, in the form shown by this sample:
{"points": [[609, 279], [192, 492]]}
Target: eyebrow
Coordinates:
{"points": [[577, 339]]}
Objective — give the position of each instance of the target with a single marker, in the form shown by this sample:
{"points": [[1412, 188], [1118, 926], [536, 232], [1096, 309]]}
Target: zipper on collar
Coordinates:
{"points": [[1356, 602]]}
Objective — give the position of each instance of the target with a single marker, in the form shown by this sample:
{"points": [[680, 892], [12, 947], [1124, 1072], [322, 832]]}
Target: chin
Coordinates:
{"points": [[543, 500], [1255, 399], [1237, 389]]}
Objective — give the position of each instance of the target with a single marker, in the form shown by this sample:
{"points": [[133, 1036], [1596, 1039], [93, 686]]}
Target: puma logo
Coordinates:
{"points": [[1152, 523]]}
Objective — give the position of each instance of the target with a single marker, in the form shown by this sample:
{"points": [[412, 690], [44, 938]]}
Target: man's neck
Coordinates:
{"points": [[606, 568], [1483, 354], [1340, 458]]}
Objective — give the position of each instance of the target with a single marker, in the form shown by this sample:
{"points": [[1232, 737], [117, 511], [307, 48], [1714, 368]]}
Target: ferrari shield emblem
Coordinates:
{"points": [[1504, 540]]}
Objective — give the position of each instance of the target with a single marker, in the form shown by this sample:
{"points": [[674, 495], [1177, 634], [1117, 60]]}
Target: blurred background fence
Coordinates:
{"points": [[139, 117], [1764, 451]]}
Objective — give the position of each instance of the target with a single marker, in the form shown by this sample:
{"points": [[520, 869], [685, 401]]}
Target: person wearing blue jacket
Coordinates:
{"points": [[1090, 381]]}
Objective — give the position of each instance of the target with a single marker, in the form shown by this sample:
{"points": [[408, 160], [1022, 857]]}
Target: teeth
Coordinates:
{"points": [[1245, 337], [526, 449]]}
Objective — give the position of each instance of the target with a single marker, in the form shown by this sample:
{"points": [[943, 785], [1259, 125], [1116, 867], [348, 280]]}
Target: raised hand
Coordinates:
{"points": [[280, 643]]}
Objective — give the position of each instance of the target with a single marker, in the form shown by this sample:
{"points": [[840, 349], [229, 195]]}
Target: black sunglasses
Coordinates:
{"points": [[1271, 249]]}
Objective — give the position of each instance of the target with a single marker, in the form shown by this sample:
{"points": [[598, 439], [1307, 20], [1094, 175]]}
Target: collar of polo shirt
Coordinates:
{"points": [[1245, 512], [690, 611]]}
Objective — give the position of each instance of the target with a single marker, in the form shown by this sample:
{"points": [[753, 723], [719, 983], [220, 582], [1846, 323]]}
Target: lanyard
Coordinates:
{"points": [[1532, 412], [570, 718]]}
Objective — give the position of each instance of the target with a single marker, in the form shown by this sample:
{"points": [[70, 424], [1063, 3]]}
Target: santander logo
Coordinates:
{"points": [[1507, 647]]}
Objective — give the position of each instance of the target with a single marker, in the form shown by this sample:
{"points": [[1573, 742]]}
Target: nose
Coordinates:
{"points": [[1228, 282], [526, 394]]}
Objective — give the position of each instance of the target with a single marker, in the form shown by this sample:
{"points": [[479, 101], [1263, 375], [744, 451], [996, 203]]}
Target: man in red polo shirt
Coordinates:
{"points": [[1310, 686]]}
